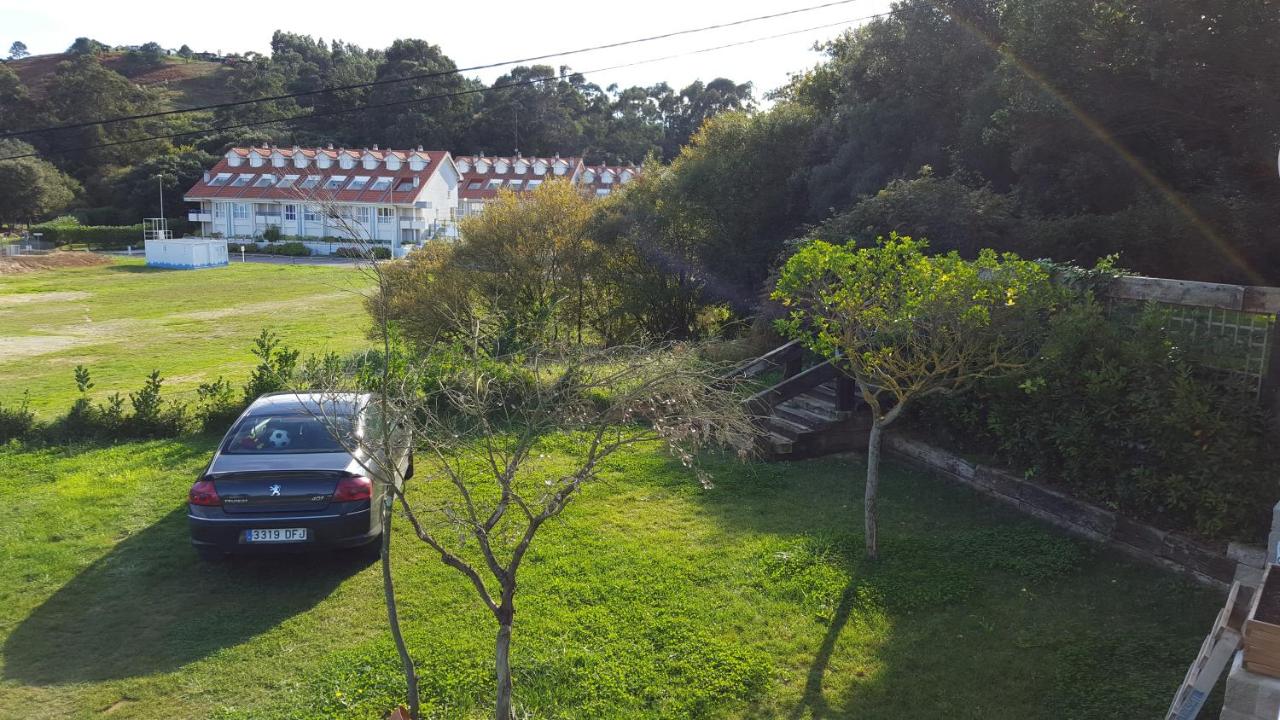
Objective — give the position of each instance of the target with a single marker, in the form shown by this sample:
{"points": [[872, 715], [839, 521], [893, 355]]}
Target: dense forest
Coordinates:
{"points": [[1070, 129]]}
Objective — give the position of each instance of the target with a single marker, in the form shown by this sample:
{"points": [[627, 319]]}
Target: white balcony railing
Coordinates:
{"points": [[413, 224], [199, 217]]}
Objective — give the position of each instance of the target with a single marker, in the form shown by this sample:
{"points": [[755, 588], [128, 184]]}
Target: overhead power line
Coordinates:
{"points": [[445, 96], [425, 76]]}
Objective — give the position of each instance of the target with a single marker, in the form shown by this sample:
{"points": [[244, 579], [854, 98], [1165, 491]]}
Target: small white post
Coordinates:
{"points": [[241, 253], [128, 250]]}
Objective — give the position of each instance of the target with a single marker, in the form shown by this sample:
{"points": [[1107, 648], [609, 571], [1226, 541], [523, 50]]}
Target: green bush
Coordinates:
{"points": [[17, 422], [289, 249], [377, 252], [1115, 412], [67, 231], [272, 233]]}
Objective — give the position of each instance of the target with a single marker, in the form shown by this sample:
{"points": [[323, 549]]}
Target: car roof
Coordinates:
{"points": [[319, 403]]}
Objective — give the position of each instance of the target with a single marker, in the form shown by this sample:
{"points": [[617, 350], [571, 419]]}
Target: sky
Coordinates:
{"points": [[471, 33]]}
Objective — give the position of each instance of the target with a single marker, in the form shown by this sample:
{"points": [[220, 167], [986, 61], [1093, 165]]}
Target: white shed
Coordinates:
{"points": [[186, 253]]}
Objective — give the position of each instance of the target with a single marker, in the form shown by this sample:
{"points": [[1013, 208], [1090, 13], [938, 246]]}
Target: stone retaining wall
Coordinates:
{"points": [[1215, 566]]}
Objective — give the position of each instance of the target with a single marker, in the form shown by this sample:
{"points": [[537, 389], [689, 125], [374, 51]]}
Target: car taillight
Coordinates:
{"points": [[353, 487], [204, 493]]}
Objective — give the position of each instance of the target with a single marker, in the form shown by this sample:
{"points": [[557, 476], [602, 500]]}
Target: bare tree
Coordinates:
{"points": [[478, 424]]}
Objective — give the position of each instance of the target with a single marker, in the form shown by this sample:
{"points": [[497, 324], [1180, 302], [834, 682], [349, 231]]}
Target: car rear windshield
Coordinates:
{"points": [[279, 434]]}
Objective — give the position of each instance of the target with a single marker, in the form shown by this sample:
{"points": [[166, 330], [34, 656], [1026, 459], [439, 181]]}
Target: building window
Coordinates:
{"points": [[310, 215], [386, 215], [515, 184], [602, 191], [335, 182], [361, 214], [219, 179], [532, 184], [287, 181], [493, 185], [475, 184], [358, 182], [405, 186], [239, 211], [265, 181], [219, 209], [311, 182], [381, 184], [242, 180], [291, 212]]}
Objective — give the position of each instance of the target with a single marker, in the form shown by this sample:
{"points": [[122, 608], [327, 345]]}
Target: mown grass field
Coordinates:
{"points": [[124, 320], [650, 598]]}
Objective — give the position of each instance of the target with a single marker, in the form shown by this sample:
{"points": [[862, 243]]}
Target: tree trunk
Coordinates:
{"points": [[870, 511], [393, 614], [503, 710]]}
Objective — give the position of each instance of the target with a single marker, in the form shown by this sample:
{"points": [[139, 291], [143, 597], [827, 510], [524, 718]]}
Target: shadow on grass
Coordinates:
{"points": [[151, 606], [130, 268]]}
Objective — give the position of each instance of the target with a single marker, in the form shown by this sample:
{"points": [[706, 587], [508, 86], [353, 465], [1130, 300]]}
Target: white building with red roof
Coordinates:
{"points": [[382, 196]]}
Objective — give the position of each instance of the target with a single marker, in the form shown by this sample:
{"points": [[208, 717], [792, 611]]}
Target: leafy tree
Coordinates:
{"points": [[18, 50], [186, 52], [31, 187], [538, 118], [905, 325], [17, 109], [133, 190], [86, 46], [401, 121], [685, 113]]}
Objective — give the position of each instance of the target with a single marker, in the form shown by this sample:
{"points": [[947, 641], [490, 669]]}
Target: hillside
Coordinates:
{"points": [[186, 83]]}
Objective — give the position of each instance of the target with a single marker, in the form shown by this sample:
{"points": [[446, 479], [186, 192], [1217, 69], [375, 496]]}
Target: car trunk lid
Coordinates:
{"points": [[276, 490]]}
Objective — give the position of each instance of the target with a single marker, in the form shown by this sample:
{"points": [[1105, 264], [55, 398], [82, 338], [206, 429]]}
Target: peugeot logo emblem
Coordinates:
{"points": [[275, 490]]}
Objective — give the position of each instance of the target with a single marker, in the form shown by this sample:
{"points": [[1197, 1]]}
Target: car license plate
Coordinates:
{"points": [[276, 535]]}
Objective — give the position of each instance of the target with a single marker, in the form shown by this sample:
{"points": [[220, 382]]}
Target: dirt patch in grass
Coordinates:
{"points": [[16, 347], [32, 263], [66, 296]]}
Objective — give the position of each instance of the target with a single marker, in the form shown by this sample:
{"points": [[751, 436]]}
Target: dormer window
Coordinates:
{"points": [[234, 159], [522, 167], [539, 168], [299, 160], [502, 167], [417, 163], [265, 181], [482, 166], [589, 176], [381, 184], [393, 162], [606, 177], [335, 182], [255, 160], [345, 162], [370, 161], [463, 166], [220, 179], [242, 180], [560, 167], [626, 175], [324, 161], [358, 182], [277, 160]]}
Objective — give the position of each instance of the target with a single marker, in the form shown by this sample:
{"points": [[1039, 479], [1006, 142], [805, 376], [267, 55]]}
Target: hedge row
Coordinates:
{"points": [[102, 236]]}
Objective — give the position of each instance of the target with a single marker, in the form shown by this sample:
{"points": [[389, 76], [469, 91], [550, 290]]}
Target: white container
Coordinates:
{"points": [[186, 253]]}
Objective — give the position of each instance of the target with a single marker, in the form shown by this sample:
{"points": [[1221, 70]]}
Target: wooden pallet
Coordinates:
{"points": [[1262, 639], [1214, 656]]}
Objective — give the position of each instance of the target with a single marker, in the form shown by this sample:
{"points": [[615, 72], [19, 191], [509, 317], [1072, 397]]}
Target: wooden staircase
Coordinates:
{"points": [[812, 410]]}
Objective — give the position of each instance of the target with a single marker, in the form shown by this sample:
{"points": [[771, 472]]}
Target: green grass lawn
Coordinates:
{"points": [[649, 598], [124, 320]]}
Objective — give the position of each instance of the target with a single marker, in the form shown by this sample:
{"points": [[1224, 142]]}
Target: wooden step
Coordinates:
{"points": [[788, 428], [779, 444], [815, 420], [819, 406]]}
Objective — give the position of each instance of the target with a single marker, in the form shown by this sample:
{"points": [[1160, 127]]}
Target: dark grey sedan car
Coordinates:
{"points": [[283, 480]]}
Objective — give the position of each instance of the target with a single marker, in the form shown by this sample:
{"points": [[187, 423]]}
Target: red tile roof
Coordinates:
{"points": [[203, 190], [470, 175]]}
